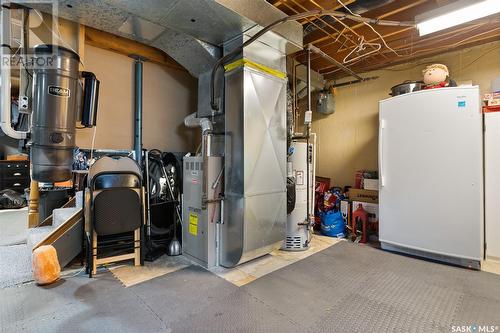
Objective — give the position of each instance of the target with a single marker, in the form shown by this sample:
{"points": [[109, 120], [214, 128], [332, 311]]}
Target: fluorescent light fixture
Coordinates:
{"points": [[454, 14]]}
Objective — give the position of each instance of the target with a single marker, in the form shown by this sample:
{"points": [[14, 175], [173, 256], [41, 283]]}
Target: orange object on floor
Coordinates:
{"points": [[360, 216], [45, 265]]}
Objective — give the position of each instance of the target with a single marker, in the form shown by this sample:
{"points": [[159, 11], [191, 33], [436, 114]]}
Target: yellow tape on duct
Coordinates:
{"points": [[193, 224], [254, 65]]}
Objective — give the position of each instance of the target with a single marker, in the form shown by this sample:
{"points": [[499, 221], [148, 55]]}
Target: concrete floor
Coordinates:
{"points": [[13, 226], [345, 288]]}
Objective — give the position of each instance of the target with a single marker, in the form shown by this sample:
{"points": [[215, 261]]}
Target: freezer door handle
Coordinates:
{"points": [[382, 125]]}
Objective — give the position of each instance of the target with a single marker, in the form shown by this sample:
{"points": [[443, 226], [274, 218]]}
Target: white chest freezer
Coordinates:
{"points": [[431, 175]]}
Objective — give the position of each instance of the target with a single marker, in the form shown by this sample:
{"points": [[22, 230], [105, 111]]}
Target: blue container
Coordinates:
{"points": [[332, 224]]}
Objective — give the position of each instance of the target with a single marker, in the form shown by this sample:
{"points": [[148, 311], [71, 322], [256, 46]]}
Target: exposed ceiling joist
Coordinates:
{"points": [[337, 38]]}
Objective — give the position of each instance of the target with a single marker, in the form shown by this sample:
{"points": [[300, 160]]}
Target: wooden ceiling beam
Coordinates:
{"points": [[480, 41], [338, 39], [490, 37], [421, 47], [399, 39], [125, 46], [410, 5], [317, 6]]}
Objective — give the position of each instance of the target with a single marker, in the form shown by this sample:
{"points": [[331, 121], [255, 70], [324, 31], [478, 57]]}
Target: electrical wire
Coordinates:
{"points": [[30, 76], [373, 29], [442, 38], [482, 55], [424, 50], [429, 62], [93, 142], [58, 35], [72, 275]]}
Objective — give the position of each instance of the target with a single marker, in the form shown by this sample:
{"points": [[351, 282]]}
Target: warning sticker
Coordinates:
{"points": [[193, 224]]}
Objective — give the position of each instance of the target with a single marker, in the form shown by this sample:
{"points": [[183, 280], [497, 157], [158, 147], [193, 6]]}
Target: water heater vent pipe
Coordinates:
{"points": [[204, 123]]}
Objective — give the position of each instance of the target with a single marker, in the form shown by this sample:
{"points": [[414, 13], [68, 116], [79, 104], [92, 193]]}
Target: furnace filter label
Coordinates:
{"points": [[193, 224]]}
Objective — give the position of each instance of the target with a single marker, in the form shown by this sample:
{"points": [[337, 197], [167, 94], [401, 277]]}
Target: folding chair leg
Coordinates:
{"points": [[137, 245], [86, 248], [141, 230], [94, 252]]}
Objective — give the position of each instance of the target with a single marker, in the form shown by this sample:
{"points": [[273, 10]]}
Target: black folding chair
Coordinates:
{"points": [[115, 207]]}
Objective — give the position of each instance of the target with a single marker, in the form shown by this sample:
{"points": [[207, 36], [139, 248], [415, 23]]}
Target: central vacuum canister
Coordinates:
{"points": [[55, 84]]}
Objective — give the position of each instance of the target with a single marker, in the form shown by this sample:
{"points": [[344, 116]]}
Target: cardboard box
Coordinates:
{"points": [[370, 184], [494, 101], [370, 196], [362, 175], [491, 95], [370, 208]]}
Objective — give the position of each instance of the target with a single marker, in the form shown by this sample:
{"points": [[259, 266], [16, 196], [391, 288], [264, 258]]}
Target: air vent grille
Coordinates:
{"points": [[293, 242]]}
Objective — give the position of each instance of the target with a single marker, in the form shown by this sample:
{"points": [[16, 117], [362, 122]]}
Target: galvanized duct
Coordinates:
{"points": [[190, 31]]}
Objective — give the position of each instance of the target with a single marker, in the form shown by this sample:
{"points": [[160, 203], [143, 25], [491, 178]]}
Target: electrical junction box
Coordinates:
{"points": [[23, 103]]}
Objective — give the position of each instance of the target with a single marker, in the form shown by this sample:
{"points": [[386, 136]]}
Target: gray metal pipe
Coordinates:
{"points": [[353, 82], [206, 140], [138, 111], [192, 121], [308, 132], [332, 60]]}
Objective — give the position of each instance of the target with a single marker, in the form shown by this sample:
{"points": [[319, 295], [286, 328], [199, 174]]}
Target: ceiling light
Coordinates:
{"points": [[454, 14]]}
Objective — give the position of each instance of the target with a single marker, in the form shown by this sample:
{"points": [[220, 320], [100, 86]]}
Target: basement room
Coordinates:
{"points": [[249, 166]]}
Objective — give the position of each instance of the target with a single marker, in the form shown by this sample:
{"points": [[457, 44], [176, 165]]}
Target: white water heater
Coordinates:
{"points": [[297, 232]]}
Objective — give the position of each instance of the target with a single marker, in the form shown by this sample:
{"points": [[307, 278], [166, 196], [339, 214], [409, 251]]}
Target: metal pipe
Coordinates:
{"points": [[138, 110], [294, 81], [327, 57], [148, 190], [308, 131], [205, 151], [206, 138], [5, 93], [353, 82], [308, 79], [192, 121]]}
